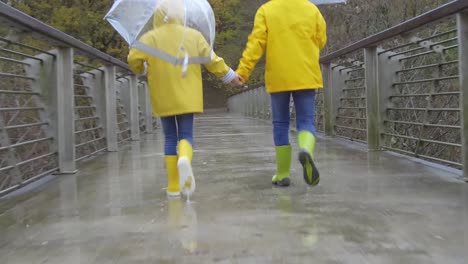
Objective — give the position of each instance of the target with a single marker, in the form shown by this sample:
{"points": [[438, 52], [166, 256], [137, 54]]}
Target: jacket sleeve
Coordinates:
{"points": [[321, 36], [136, 60], [255, 47], [217, 66]]}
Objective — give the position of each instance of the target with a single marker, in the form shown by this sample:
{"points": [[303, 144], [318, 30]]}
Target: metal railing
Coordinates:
{"points": [[61, 101], [404, 89]]}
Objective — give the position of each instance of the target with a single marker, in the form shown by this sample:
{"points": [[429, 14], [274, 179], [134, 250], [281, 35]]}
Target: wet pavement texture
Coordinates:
{"points": [[370, 207]]}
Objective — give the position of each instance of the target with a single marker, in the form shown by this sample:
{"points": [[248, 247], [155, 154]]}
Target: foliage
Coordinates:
{"points": [[348, 23], [82, 19]]}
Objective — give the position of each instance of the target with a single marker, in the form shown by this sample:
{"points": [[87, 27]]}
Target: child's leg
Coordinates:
{"points": [[170, 135], [281, 119], [304, 102], [170, 150], [185, 127], [185, 134]]}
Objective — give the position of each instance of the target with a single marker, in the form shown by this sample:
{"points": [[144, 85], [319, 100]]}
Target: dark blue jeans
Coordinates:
{"points": [[304, 102], [175, 129]]}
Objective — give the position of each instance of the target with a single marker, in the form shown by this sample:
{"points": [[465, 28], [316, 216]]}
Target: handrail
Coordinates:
{"points": [[414, 23], [37, 26]]}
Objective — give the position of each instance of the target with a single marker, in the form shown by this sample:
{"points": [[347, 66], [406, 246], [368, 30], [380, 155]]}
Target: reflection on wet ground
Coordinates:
{"points": [[370, 207]]}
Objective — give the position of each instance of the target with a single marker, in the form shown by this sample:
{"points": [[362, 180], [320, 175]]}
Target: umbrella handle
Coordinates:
{"points": [[185, 65]]}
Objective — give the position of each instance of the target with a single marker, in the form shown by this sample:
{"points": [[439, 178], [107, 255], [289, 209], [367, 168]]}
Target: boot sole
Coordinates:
{"points": [[311, 173], [187, 180], [283, 183], [173, 194]]}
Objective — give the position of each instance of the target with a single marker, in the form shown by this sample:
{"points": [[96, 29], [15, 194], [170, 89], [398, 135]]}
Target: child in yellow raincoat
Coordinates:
{"points": [[175, 98], [292, 33]]}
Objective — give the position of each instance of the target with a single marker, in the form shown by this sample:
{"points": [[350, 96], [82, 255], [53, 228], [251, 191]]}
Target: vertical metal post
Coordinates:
{"points": [[247, 103], [147, 109], [257, 102], [250, 100], [247, 99], [254, 100], [327, 99], [265, 103], [96, 80], [46, 87], [252, 103], [388, 66], [133, 105], [123, 95], [372, 97], [334, 83], [269, 106], [110, 108], [65, 103], [462, 21]]}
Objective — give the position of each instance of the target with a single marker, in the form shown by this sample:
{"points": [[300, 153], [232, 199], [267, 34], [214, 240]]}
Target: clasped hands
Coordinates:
{"points": [[238, 81]]}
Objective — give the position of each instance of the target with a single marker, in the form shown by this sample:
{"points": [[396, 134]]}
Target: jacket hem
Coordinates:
{"points": [[271, 90], [174, 113]]}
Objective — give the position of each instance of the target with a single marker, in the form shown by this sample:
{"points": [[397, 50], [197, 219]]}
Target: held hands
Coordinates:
{"points": [[238, 81]]}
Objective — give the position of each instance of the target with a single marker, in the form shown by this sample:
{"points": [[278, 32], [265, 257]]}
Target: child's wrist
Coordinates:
{"points": [[229, 77]]}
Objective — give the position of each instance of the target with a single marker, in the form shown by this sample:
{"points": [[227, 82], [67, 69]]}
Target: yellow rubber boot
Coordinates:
{"points": [[173, 188], [307, 145], [187, 180], [283, 166]]}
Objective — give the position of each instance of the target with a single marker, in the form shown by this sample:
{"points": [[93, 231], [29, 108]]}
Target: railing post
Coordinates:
{"points": [[462, 21], [269, 110], [335, 81], [257, 102], [110, 108], [252, 103], [247, 103], [372, 97], [264, 104], [45, 86], [327, 99], [388, 66], [96, 80], [146, 108], [249, 100], [133, 105], [65, 111]]}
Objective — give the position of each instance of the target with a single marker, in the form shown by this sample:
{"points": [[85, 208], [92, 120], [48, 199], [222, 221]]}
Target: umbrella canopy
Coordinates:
{"points": [[180, 32]]}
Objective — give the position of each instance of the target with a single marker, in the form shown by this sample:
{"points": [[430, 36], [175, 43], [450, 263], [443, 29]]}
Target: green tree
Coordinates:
{"points": [[82, 19]]}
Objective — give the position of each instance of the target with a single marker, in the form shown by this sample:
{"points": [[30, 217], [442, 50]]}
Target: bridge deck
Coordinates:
{"points": [[370, 207]]}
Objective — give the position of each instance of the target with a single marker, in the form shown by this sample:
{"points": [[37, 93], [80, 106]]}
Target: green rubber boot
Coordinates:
{"points": [[283, 166], [307, 147]]}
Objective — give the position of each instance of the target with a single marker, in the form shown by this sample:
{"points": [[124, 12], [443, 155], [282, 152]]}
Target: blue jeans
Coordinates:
{"points": [[304, 102], [175, 129]]}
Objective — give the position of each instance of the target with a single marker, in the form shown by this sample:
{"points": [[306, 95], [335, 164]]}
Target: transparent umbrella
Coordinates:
{"points": [[180, 32], [327, 2]]}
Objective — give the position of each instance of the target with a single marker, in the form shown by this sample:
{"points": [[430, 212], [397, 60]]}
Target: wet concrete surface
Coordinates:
{"points": [[370, 207]]}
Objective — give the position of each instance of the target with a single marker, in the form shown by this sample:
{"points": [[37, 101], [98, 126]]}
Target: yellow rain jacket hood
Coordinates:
{"points": [[170, 93], [292, 33]]}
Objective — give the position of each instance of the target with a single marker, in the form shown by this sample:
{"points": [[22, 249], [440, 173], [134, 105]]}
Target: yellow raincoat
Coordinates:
{"points": [[170, 93], [292, 32]]}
